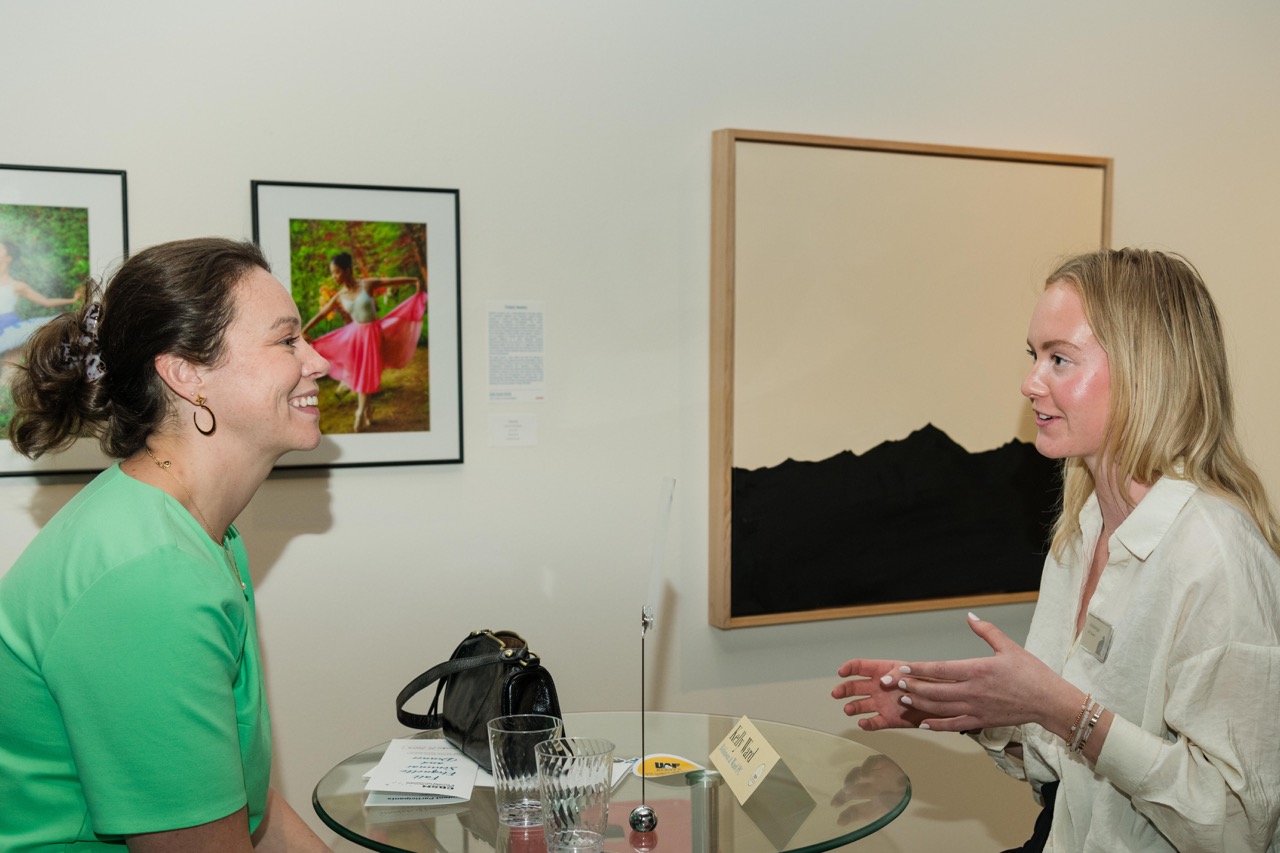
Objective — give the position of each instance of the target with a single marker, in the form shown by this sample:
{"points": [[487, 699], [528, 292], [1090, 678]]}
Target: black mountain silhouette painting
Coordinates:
{"points": [[907, 520]]}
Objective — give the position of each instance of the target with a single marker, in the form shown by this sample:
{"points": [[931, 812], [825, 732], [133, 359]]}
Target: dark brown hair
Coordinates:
{"points": [[175, 298]]}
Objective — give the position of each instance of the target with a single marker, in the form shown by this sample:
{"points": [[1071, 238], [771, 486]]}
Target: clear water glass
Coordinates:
{"points": [[575, 776], [515, 768]]}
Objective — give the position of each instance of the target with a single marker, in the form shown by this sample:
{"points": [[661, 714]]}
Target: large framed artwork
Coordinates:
{"points": [[375, 273], [870, 450], [59, 227]]}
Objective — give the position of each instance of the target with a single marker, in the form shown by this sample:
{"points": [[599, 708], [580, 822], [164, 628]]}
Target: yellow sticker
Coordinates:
{"points": [[657, 765]]}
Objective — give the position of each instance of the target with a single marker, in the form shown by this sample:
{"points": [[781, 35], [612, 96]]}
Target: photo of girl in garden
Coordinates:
{"points": [[44, 261], [349, 273]]}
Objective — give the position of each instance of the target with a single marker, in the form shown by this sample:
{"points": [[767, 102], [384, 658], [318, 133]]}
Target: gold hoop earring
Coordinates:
{"points": [[213, 422]]}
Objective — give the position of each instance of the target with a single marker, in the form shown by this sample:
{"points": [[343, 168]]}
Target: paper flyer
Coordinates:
{"points": [[427, 766]]}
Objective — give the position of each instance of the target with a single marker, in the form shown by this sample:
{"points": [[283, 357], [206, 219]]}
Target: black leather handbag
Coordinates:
{"points": [[491, 674]]}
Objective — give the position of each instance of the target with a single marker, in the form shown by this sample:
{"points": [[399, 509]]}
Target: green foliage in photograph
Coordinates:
{"points": [[50, 246], [6, 408]]}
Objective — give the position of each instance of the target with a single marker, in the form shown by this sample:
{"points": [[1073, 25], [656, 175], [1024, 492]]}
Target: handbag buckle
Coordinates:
{"points": [[521, 656]]}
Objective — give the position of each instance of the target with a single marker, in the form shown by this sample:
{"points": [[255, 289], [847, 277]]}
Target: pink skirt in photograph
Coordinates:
{"points": [[358, 352]]}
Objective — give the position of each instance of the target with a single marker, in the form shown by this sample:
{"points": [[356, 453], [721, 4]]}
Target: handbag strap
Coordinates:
{"points": [[441, 672]]}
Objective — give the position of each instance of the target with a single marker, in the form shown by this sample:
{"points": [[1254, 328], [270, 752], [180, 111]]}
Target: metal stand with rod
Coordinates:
{"points": [[643, 818]]}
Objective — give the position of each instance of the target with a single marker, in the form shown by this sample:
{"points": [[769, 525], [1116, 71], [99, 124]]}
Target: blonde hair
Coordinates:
{"points": [[1171, 412]]}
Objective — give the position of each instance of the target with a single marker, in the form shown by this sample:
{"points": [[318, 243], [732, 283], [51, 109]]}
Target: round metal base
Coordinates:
{"points": [[643, 819]]}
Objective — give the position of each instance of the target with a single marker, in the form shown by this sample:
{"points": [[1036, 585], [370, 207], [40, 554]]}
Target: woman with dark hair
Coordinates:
{"points": [[359, 351], [134, 707], [1142, 710]]}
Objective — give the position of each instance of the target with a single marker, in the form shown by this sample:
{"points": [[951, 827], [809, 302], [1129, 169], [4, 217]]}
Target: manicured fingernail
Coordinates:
{"points": [[903, 684], [886, 680], [974, 616], [906, 700], [905, 669], [925, 726]]}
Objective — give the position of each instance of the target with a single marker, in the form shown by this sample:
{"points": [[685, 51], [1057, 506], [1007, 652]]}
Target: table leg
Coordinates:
{"points": [[705, 801]]}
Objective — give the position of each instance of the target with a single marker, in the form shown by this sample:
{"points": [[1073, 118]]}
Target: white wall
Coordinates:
{"points": [[579, 135]]}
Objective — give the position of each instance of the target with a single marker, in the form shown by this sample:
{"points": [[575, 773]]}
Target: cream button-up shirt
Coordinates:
{"points": [[1191, 597]]}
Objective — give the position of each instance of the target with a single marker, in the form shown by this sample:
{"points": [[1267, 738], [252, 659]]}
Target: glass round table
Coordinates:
{"points": [[831, 791]]}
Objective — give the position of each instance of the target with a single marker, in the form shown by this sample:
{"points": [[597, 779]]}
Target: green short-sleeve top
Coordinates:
{"points": [[133, 698]]}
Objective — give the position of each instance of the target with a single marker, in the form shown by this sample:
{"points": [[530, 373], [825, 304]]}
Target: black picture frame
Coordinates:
{"points": [[65, 225], [390, 232]]}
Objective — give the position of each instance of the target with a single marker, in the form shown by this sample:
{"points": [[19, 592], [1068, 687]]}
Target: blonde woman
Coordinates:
{"points": [[1142, 709]]}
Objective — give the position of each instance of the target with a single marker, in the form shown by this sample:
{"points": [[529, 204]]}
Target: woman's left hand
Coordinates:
{"points": [[1010, 688]]}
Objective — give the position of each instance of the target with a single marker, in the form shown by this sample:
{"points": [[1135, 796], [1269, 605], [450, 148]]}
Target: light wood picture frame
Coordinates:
{"points": [[864, 292]]}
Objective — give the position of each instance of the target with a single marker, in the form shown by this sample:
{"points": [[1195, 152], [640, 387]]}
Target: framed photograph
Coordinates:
{"points": [[375, 273], [59, 227], [870, 451]]}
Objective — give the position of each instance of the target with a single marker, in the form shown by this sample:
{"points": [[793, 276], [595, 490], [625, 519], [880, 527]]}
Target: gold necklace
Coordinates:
{"points": [[165, 467]]}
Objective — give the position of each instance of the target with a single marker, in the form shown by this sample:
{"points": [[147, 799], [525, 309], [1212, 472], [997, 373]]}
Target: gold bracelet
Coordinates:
{"points": [[1080, 718]]}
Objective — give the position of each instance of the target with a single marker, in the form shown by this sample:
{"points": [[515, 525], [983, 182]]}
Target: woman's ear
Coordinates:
{"points": [[180, 375]]}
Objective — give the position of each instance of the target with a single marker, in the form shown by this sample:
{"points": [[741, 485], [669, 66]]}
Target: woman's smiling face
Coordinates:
{"points": [[1069, 385], [264, 387]]}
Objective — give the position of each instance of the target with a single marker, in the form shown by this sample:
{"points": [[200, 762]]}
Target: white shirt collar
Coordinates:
{"points": [[1142, 531]]}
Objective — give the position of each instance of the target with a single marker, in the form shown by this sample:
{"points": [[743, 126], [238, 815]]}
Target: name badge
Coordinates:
{"points": [[1096, 637]]}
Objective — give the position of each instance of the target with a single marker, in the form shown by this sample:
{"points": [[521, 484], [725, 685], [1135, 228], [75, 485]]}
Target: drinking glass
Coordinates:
{"points": [[515, 768], [575, 776]]}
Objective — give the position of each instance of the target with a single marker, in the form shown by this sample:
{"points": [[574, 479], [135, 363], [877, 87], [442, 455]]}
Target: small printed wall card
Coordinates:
{"points": [[744, 759]]}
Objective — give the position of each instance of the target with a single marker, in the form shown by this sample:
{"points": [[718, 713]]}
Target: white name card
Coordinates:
{"points": [[744, 759]]}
